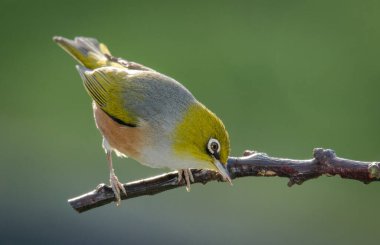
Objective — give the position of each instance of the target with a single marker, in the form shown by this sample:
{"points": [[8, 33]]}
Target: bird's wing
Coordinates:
{"points": [[106, 86]]}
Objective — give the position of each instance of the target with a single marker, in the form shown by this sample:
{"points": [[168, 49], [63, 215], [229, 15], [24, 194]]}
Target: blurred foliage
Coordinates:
{"points": [[285, 77]]}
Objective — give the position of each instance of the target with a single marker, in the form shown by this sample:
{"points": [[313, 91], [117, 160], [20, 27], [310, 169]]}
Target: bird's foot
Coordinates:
{"points": [[188, 177], [116, 187]]}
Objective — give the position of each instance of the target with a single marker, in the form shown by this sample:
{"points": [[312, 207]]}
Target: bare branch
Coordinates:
{"points": [[325, 162]]}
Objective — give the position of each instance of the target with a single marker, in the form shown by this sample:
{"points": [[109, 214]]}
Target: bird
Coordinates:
{"points": [[148, 116]]}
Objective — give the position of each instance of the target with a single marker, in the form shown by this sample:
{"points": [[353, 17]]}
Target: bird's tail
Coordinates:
{"points": [[87, 51]]}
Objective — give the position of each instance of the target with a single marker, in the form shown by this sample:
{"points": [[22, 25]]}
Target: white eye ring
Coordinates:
{"points": [[213, 146]]}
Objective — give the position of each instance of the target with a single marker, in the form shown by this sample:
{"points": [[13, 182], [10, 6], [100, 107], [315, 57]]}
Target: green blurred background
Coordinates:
{"points": [[285, 77]]}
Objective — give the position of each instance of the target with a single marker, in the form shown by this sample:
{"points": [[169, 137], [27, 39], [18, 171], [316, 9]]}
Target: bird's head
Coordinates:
{"points": [[202, 138]]}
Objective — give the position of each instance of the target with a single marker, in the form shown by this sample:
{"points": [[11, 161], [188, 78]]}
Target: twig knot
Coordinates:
{"points": [[324, 156], [374, 170]]}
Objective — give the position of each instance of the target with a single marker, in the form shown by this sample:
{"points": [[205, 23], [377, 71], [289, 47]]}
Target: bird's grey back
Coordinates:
{"points": [[157, 99]]}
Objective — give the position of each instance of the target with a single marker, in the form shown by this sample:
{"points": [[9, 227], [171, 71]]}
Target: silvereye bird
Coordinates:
{"points": [[147, 116]]}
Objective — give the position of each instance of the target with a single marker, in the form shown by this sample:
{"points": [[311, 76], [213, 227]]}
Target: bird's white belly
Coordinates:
{"points": [[162, 156]]}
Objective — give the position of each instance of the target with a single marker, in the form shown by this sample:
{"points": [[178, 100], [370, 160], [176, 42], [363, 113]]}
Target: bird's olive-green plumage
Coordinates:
{"points": [[193, 134], [106, 86]]}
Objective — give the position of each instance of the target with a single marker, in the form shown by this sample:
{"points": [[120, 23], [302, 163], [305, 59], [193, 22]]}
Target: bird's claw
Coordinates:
{"points": [[188, 177], [116, 187]]}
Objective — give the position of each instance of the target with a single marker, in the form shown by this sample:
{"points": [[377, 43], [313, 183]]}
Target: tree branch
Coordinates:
{"points": [[325, 162]]}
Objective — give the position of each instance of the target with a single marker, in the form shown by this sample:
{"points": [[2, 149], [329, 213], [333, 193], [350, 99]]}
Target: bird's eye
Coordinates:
{"points": [[213, 146]]}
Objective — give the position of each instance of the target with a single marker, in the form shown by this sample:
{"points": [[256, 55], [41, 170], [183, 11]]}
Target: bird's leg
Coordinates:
{"points": [[188, 177], [114, 181]]}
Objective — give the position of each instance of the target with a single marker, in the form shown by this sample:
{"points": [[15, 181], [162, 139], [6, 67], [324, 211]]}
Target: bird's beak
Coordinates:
{"points": [[223, 171]]}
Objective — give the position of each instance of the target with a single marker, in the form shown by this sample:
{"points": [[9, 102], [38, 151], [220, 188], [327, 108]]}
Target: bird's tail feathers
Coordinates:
{"points": [[87, 51]]}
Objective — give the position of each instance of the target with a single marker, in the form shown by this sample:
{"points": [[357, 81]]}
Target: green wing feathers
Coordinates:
{"points": [[104, 76], [105, 85]]}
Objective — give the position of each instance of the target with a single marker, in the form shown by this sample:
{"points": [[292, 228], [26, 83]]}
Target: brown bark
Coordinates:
{"points": [[325, 162]]}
